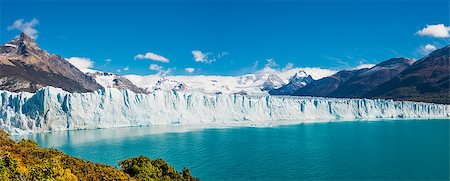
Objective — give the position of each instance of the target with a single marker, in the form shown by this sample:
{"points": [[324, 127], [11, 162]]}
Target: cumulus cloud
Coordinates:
{"points": [[126, 68], [426, 49], [437, 31], [429, 47], [152, 56], [189, 70], [155, 67], [81, 63], [25, 27]]}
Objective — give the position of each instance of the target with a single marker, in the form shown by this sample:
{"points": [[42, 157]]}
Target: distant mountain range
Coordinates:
{"points": [[425, 80], [26, 67]]}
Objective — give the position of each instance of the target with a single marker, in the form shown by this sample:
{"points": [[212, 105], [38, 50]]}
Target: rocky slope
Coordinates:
{"points": [[363, 82], [426, 80], [26, 67], [327, 85]]}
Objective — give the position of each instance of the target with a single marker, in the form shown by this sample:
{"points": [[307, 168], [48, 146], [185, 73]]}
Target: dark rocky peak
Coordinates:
{"points": [[25, 39], [301, 76], [21, 45]]}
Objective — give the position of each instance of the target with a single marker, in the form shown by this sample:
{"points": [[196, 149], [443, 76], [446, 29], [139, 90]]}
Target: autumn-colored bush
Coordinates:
{"points": [[26, 161]]}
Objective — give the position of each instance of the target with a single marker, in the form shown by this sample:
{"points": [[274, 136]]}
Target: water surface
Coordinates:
{"points": [[375, 150]]}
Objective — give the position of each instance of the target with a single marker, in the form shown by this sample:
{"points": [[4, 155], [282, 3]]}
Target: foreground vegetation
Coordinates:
{"points": [[26, 161]]}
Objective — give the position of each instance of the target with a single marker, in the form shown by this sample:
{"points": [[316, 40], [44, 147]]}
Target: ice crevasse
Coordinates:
{"points": [[52, 109]]}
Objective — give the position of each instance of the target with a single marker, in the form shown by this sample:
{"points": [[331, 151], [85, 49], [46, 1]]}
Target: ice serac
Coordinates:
{"points": [[52, 109]]}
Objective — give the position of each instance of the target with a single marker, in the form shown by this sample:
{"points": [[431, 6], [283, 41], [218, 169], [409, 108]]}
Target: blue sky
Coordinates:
{"points": [[236, 37]]}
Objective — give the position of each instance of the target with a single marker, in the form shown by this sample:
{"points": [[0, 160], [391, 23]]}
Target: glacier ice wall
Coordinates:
{"points": [[52, 109]]}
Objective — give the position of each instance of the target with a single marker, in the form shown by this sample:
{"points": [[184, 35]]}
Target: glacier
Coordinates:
{"points": [[52, 109]]}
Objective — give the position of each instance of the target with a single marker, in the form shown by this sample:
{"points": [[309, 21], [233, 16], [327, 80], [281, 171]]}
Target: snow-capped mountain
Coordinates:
{"points": [[110, 80], [272, 82], [252, 84], [296, 82]]}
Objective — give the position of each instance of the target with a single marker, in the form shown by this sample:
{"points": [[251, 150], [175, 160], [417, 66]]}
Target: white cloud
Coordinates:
{"points": [[189, 70], [288, 66], [199, 56], [363, 66], [152, 56], [269, 68], [126, 68], [25, 27], [271, 63], [81, 63], [108, 60], [437, 31], [160, 70], [155, 67], [429, 47], [166, 72], [426, 49], [207, 57]]}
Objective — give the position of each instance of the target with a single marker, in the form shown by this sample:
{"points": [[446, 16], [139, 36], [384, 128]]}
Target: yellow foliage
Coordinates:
{"points": [[26, 161]]}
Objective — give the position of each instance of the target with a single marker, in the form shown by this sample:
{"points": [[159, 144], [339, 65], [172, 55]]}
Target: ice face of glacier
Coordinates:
{"points": [[52, 109]]}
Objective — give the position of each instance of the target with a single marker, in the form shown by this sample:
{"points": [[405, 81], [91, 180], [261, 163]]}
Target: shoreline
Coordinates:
{"points": [[188, 128]]}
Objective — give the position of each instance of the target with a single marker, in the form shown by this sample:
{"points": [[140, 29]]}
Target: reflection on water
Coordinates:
{"points": [[80, 137]]}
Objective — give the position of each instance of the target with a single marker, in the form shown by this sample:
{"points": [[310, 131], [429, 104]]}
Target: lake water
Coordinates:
{"points": [[375, 150]]}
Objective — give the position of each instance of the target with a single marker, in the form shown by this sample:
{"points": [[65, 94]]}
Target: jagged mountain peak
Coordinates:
{"points": [[299, 76], [273, 81], [297, 81], [22, 39], [22, 45], [300, 73]]}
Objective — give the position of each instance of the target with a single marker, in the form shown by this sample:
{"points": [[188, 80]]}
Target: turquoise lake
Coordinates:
{"points": [[362, 150]]}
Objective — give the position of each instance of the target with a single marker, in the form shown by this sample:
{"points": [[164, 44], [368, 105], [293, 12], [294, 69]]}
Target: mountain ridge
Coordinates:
{"points": [[424, 80]]}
